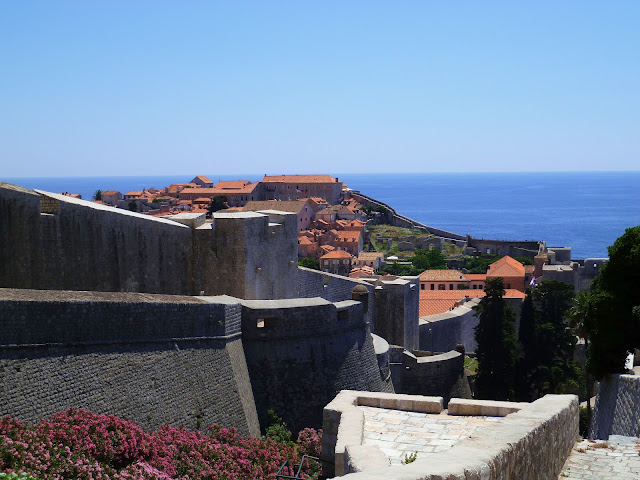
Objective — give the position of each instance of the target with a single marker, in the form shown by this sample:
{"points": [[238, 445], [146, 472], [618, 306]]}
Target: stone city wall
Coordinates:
{"points": [[617, 409], [444, 331], [430, 375], [532, 441], [156, 359], [302, 352], [335, 288], [402, 221], [54, 242]]}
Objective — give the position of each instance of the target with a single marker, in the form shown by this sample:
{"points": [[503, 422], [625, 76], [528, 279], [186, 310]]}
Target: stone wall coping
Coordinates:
{"points": [[107, 208], [483, 408], [432, 358], [31, 295], [355, 281], [484, 456], [284, 303]]}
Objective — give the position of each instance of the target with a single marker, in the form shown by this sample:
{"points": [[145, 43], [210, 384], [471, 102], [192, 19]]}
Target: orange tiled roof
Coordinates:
{"points": [[299, 179], [474, 277], [327, 248], [231, 184], [347, 235], [203, 179], [506, 267], [110, 192], [443, 276], [302, 240], [529, 268], [337, 254], [137, 193], [433, 302]]}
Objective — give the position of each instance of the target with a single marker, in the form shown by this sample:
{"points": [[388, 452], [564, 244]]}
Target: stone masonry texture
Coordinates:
{"points": [[158, 360], [617, 409]]}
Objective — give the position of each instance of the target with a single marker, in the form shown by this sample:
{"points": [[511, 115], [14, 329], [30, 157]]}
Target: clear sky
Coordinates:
{"points": [[166, 87]]}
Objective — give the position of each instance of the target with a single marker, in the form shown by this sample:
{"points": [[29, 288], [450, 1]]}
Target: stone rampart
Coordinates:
{"points": [[617, 409], [402, 221], [430, 375], [302, 352], [335, 288], [532, 441], [156, 359], [55, 242], [444, 331], [513, 248]]}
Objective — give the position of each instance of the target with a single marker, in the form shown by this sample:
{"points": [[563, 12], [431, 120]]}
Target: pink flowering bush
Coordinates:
{"points": [[82, 445]]}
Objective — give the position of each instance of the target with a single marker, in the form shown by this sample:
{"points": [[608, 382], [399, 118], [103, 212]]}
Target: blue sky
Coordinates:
{"points": [[167, 87]]}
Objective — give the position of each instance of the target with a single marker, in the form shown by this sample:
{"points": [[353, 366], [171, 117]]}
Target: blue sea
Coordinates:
{"points": [[585, 211]]}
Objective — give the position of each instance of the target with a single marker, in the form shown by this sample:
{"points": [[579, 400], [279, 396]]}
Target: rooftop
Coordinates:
{"points": [[443, 276], [299, 179]]}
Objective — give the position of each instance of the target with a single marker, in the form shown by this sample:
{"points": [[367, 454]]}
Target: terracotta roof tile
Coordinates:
{"points": [[443, 276], [337, 254], [474, 277], [506, 267], [299, 179]]}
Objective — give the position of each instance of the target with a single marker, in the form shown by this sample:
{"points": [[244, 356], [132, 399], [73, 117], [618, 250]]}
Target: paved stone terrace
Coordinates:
{"points": [[616, 459], [398, 433]]}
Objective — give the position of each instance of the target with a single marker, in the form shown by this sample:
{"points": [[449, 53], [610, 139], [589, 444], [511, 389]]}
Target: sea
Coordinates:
{"points": [[586, 211]]}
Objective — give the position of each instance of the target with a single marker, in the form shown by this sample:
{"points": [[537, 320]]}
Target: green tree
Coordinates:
{"points": [[497, 344], [577, 316], [527, 352], [309, 262], [555, 371], [97, 195], [429, 259], [218, 203], [612, 323], [133, 206]]}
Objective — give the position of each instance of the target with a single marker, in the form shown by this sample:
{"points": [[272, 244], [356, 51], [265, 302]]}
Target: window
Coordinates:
{"points": [[441, 286], [475, 287], [481, 287], [326, 262], [508, 285], [264, 323], [451, 286], [422, 286], [346, 262], [432, 286]]}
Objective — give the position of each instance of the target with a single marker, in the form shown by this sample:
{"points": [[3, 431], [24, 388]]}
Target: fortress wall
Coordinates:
{"points": [[156, 359], [617, 409], [335, 288], [302, 352], [433, 375], [396, 312], [78, 245], [402, 221]]}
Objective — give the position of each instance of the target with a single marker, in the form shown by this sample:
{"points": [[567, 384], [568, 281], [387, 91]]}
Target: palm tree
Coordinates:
{"points": [[577, 316]]}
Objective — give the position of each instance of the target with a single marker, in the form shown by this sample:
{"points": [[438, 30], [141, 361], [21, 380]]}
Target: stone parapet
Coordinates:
{"points": [[531, 442], [617, 409]]}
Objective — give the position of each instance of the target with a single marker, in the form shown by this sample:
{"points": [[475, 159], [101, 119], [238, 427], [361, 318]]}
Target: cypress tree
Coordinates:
{"points": [[497, 344]]}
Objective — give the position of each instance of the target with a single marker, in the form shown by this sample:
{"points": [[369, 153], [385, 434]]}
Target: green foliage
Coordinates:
{"points": [[16, 476], [309, 262], [97, 195], [400, 270], [612, 322], [584, 422], [218, 203], [133, 206], [478, 264], [429, 260], [277, 429], [156, 200], [524, 260], [497, 344], [382, 209], [547, 342], [409, 458]]}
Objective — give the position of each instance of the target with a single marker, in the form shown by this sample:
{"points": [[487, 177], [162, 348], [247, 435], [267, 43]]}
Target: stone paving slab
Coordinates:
{"points": [[398, 433], [616, 459]]}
